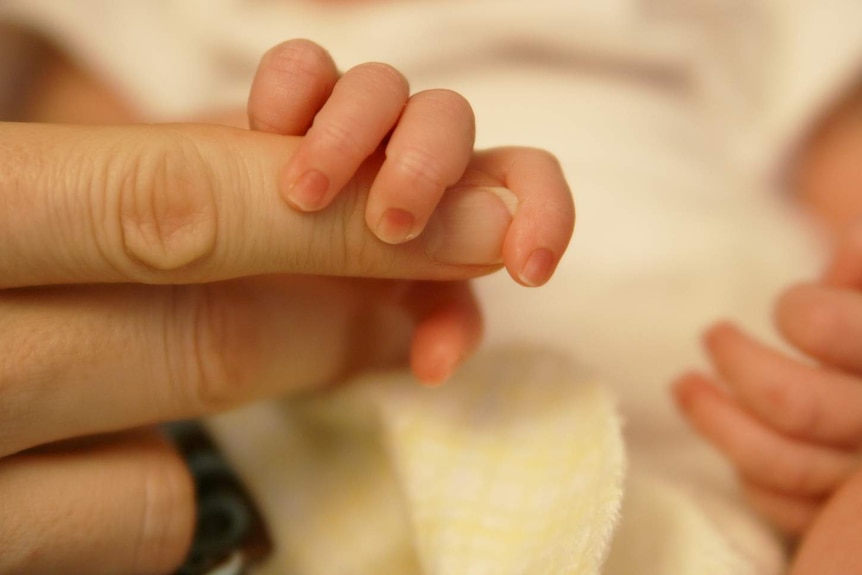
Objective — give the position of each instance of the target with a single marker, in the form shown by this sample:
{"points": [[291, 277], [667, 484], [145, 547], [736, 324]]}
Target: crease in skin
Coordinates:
{"points": [[469, 226]]}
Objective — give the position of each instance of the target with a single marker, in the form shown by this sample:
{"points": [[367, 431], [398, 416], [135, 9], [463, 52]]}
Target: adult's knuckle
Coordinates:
{"points": [[31, 357], [166, 209], [213, 352], [167, 514]]}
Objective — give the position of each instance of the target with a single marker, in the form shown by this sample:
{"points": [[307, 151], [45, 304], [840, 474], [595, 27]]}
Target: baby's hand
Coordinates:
{"points": [[791, 426], [426, 140]]}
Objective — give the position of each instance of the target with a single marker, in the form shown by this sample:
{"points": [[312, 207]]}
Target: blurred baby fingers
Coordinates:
{"points": [[824, 322], [126, 503], [760, 454], [845, 269], [790, 514], [798, 399]]}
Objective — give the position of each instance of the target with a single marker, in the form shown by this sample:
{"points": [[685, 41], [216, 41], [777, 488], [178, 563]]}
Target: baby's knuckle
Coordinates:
{"points": [[296, 55], [295, 58], [822, 327], [342, 137], [451, 103], [213, 350], [795, 477], [385, 77], [422, 166], [166, 210], [797, 414], [544, 156]]}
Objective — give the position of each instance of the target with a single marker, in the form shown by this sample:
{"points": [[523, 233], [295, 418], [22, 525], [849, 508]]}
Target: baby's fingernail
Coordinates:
{"points": [[539, 267], [308, 192], [470, 225], [396, 226]]}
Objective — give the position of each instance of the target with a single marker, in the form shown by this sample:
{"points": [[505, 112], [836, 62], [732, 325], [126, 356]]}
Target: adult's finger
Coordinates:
{"points": [[293, 81], [85, 360], [364, 106], [181, 204], [807, 402], [825, 323], [759, 453], [122, 505]]}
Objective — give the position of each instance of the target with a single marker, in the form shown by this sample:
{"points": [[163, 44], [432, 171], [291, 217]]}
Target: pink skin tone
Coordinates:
{"points": [[194, 319], [792, 424], [430, 144], [346, 119]]}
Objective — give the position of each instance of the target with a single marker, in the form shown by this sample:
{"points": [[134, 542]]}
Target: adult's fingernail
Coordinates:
{"points": [[308, 192], [470, 225]]}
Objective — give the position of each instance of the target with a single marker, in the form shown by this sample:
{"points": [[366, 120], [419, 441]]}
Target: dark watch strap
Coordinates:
{"points": [[230, 535]]}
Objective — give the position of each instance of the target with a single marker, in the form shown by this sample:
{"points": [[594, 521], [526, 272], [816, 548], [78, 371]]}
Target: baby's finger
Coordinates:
{"points": [[364, 106], [791, 515], [825, 323], [798, 400], [292, 83], [545, 214], [122, 505], [760, 454], [845, 269], [427, 153], [448, 328]]}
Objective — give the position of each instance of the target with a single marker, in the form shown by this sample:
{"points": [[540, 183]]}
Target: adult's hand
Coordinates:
{"points": [[150, 273]]}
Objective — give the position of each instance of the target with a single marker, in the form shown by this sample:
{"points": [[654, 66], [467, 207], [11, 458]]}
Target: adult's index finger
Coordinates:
{"points": [[182, 203]]}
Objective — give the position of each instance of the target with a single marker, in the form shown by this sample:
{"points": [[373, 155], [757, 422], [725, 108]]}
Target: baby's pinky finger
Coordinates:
{"points": [[545, 215], [789, 514]]}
